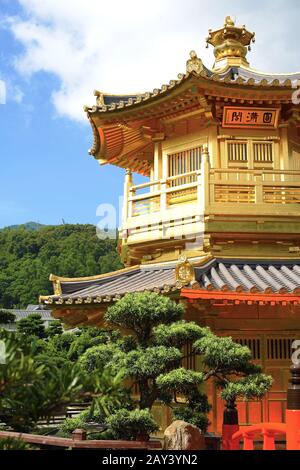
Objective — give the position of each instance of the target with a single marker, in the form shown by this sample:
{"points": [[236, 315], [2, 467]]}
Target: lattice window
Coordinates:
{"points": [[237, 151], [263, 152], [184, 162], [254, 344], [279, 348]]}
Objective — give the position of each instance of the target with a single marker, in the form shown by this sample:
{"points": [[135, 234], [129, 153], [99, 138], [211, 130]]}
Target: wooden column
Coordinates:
{"points": [[126, 205], [203, 192], [293, 411], [230, 427]]}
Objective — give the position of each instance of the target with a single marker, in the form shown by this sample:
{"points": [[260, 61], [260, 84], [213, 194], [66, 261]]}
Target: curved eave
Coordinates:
{"points": [[248, 79], [122, 146], [118, 128]]}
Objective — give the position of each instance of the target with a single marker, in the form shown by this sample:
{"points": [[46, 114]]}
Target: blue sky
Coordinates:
{"points": [[54, 53]]}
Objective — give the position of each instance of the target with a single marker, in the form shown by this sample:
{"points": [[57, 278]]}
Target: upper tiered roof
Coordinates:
{"points": [[125, 126]]}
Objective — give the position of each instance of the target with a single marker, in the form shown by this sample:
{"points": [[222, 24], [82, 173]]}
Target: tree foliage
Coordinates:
{"points": [[141, 346], [27, 257], [132, 425], [6, 317], [230, 364], [32, 325], [153, 360], [30, 390]]}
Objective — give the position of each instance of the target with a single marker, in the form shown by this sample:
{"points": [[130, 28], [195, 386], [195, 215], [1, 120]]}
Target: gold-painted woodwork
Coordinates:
{"points": [[185, 273], [231, 44]]}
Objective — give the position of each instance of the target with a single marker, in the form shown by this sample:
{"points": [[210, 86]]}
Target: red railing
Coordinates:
{"points": [[269, 432], [288, 432]]}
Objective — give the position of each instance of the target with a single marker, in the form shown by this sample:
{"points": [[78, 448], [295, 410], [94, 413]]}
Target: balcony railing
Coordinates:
{"points": [[225, 186], [191, 196], [163, 194]]}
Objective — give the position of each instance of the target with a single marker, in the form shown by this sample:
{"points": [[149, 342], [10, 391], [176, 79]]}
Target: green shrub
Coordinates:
{"points": [[6, 317], [132, 425], [14, 444], [70, 424], [82, 421], [97, 357]]}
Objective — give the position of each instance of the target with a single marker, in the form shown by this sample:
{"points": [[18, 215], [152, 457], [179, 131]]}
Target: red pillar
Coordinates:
{"points": [[230, 427], [293, 411]]}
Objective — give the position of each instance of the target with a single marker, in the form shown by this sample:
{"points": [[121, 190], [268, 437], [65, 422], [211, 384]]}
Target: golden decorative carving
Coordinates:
{"points": [[96, 144], [194, 64], [231, 43], [57, 287], [229, 21], [99, 98], [185, 273]]}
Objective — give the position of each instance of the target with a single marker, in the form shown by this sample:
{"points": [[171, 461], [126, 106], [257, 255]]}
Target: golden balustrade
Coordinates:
{"points": [[179, 203]]}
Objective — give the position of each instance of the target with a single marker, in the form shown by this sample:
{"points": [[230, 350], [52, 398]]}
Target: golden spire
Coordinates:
{"points": [[231, 44]]}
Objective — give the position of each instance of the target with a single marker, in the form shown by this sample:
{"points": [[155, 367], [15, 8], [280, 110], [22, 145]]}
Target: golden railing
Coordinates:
{"points": [[254, 186], [162, 194], [211, 189]]}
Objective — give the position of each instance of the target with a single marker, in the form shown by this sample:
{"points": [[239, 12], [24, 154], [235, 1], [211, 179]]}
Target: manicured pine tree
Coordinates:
{"points": [[154, 358], [235, 374], [32, 325]]}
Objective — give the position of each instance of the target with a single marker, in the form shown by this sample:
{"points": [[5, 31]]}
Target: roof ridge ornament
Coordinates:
{"points": [[185, 272], [194, 64]]}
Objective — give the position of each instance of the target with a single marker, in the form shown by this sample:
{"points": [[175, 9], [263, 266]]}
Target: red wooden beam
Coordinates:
{"points": [[239, 297]]}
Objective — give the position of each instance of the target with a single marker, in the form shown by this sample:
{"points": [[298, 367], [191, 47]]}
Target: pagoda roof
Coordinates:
{"points": [[222, 276], [236, 76], [125, 126]]}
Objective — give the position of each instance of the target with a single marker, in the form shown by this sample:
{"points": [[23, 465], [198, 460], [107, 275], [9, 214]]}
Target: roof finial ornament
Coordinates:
{"points": [[194, 64], [229, 21], [231, 44]]}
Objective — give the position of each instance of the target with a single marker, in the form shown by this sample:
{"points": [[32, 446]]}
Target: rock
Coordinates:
{"points": [[183, 436]]}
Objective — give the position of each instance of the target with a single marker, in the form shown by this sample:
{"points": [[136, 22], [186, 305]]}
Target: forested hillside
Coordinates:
{"points": [[27, 257]]}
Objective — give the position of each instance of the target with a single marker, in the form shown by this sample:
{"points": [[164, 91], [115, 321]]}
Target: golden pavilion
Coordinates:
{"points": [[217, 224]]}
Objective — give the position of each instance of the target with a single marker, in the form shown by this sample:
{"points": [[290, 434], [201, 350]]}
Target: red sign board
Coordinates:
{"points": [[259, 118]]}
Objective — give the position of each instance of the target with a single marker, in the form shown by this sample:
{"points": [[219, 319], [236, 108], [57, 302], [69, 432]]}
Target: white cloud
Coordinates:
{"points": [[126, 46]]}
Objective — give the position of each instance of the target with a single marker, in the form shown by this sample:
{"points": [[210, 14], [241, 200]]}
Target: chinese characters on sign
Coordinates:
{"points": [[250, 117]]}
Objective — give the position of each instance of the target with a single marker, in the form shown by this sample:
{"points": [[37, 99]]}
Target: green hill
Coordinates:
{"points": [[27, 226], [28, 256]]}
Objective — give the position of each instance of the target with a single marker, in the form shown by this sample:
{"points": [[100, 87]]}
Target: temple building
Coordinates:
{"points": [[217, 224]]}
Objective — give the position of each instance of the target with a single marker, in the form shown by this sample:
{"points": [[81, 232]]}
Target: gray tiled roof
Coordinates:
{"points": [[257, 76], [217, 275], [45, 314], [254, 276], [138, 281]]}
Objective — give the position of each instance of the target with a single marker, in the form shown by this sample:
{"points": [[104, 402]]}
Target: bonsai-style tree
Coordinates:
{"points": [[150, 353], [236, 376], [54, 329], [6, 317], [33, 325]]}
